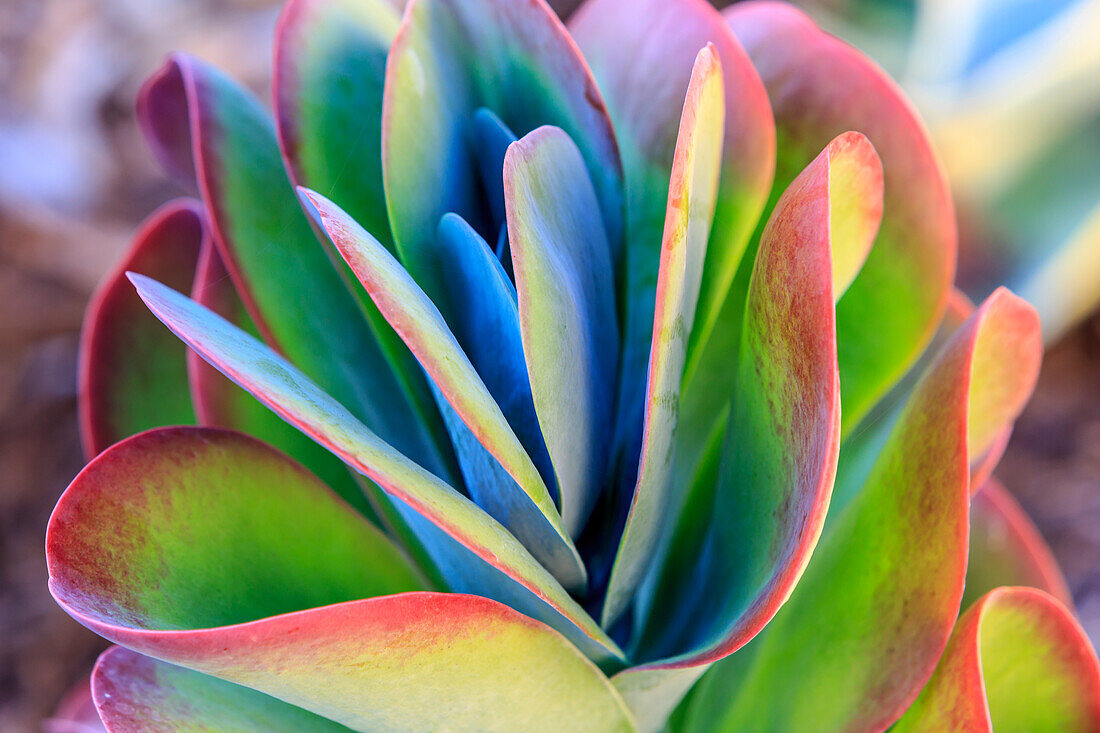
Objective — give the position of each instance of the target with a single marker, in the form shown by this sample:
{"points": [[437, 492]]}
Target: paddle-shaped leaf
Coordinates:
{"points": [[459, 662], [137, 694], [232, 560], [642, 54], [1017, 661], [516, 496], [820, 87], [295, 295], [564, 279], [1007, 549], [691, 200], [748, 536], [842, 654], [477, 553], [209, 527], [452, 58], [125, 355]]}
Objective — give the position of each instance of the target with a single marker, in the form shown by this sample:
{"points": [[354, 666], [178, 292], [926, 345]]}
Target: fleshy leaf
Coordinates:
{"points": [[263, 585], [125, 355], [564, 279], [1007, 549], [294, 293], [330, 65], [487, 327], [476, 553], [452, 58], [820, 87], [862, 630], [776, 470], [691, 200], [642, 53], [748, 539], [516, 496], [413, 661], [179, 528], [220, 403], [137, 694], [1017, 661]]}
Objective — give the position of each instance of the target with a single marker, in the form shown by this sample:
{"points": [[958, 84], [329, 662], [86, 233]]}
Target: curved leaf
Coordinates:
{"points": [[642, 53], [488, 330], [862, 630], [287, 280], [179, 528], [452, 58], [761, 521], [567, 316], [329, 69], [691, 201], [820, 87], [137, 694], [1017, 661], [516, 496], [413, 661], [473, 552], [220, 403], [125, 355], [208, 549], [1007, 549]]}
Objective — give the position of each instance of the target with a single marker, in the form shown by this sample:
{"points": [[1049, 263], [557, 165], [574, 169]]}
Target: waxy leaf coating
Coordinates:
{"points": [[1017, 661]]}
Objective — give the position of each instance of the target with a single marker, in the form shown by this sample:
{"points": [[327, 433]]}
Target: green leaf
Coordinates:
{"points": [[820, 87], [863, 629], [125, 355], [642, 53], [452, 58], [220, 403], [1017, 661], [691, 201], [137, 694], [290, 284], [473, 552]]}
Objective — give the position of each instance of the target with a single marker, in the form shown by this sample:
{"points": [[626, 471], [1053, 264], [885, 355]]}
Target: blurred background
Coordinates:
{"points": [[1010, 90]]}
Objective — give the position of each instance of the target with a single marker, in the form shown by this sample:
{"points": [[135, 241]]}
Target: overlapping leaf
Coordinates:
{"points": [[1017, 661], [200, 121], [863, 629], [501, 477], [564, 280], [473, 552], [820, 87], [260, 579], [125, 355], [691, 202], [746, 535]]}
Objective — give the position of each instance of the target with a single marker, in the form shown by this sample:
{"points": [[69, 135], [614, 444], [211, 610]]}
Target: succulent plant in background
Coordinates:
{"points": [[565, 392]]}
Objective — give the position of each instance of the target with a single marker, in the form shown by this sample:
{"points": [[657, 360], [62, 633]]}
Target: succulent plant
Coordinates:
{"points": [[579, 393]]}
